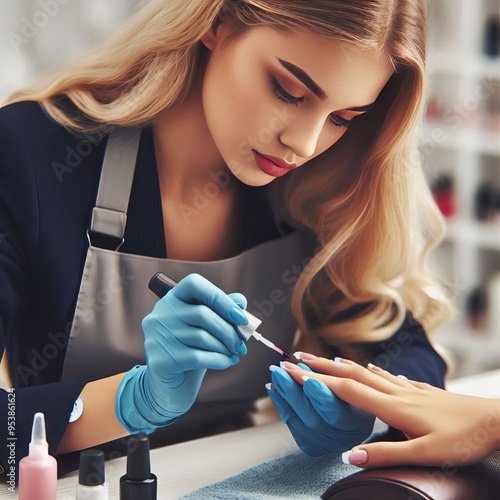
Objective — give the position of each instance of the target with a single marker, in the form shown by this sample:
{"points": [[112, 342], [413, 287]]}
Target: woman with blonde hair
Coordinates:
{"points": [[259, 146]]}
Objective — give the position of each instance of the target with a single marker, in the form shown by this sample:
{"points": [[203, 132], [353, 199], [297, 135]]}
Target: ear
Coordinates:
{"points": [[217, 34], [208, 39]]}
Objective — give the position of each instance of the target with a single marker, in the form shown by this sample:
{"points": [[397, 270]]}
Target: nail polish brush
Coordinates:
{"points": [[160, 284]]}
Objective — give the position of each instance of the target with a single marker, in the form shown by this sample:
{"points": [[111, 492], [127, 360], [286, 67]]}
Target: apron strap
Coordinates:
{"points": [[109, 215]]}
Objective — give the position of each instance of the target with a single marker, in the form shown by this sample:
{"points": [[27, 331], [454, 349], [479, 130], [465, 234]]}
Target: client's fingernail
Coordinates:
{"points": [[305, 378], [273, 368], [343, 361], [403, 377], [374, 368], [304, 355], [358, 457], [238, 316], [269, 386], [290, 366]]}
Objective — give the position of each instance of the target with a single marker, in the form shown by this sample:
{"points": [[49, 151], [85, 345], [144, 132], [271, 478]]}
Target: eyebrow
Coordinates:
{"points": [[301, 75]]}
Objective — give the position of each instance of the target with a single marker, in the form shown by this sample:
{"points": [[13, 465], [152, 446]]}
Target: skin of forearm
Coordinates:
{"points": [[98, 422], [494, 423]]}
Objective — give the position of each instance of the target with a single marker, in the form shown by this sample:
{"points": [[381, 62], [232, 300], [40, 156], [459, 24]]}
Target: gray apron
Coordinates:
{"points": [[106, 336]]}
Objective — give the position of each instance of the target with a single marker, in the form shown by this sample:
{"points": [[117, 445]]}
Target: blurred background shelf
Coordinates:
{"points": [[460, 65], [476, 139], [482, 236], [460, 148]]}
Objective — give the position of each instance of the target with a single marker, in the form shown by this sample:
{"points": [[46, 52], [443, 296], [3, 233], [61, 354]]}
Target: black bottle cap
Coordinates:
{"points": [[444, 183], [91, 468], [476, 301], [160, 284], [138, 464]]}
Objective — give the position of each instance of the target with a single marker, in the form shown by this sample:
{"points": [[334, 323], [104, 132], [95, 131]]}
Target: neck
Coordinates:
{"points": [[185, 152]]}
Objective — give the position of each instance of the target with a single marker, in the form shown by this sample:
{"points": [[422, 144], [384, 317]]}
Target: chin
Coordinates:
{"points": [[245, 175], [254, 180]]}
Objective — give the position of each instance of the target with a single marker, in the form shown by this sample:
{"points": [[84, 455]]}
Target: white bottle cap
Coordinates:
{"points": [[39, 448], [253, 324]]}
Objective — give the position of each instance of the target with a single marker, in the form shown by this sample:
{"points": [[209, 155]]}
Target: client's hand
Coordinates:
{"points": [[319, 421], [442, 427], [191, 329]]}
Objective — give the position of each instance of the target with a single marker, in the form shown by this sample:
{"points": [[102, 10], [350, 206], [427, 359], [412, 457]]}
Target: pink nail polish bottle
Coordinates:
{"points": [[38, 471]]}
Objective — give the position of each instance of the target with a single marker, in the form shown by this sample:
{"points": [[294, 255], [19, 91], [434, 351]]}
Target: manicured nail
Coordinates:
{"points": [[269, 386], [343, 361], [290, 366], [273, 368], [305, 378], [403, 377], [374, 368], [358, 457], [304, 355], [238, 316]]}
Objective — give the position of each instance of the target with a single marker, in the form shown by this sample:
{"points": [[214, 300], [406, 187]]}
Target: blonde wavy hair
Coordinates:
{"points": [[365, 198]]}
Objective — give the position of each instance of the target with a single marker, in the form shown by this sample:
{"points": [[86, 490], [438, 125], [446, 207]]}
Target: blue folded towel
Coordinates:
{"points": [[294, 476]]}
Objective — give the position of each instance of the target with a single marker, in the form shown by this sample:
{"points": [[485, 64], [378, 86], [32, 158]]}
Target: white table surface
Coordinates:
{"points": [[184, 467]]}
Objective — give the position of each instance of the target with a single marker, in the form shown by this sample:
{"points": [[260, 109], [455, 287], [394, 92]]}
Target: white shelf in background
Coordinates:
{"points": [[440, 134], [485, 236], [459, 65]]}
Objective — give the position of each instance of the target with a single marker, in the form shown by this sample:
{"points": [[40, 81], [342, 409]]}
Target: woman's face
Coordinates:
{"points": [[275, 100]]}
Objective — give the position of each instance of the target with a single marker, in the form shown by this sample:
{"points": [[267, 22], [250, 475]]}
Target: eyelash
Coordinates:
{"points": [[284, 96]]}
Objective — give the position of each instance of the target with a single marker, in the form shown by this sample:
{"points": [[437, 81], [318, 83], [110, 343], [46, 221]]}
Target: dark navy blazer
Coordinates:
{"points": [[48, 186]]}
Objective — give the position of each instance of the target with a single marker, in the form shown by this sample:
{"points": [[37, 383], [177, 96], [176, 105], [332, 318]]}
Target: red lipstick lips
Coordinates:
{"points": [[272, 165]]}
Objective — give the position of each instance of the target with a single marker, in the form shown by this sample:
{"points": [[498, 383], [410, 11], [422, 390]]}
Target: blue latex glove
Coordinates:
{"points": [[191, 329], [319, 421]]}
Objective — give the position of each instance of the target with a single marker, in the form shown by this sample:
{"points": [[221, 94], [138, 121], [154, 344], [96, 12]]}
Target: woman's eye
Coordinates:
{"points": [[283, 95], [338, 121]]}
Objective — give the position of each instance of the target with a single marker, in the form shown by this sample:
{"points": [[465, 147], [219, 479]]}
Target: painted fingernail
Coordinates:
{"points": [[238, 316], [273, 368], [374, 368], [305, 378], [403, 377], [343, 361], [304, 355], [290, 366], [269, 386], [358, 457]]}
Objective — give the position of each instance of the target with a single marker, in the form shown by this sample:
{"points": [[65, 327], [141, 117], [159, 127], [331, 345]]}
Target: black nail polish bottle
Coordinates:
{"points": [[492, 37], [138, 483]]}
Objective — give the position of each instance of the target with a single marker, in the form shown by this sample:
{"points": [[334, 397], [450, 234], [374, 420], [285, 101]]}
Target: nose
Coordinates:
{"points": [[302, 135]]}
